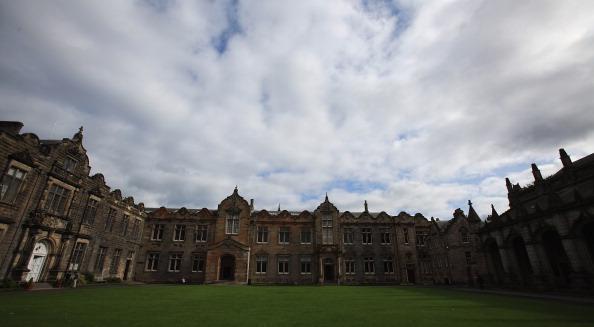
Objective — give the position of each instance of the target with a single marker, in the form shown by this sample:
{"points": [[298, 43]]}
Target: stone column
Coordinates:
{"points": [[578, 275], [21, 270]]}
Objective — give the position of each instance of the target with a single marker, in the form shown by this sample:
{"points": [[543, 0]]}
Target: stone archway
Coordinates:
{"points": [[557, 257], [37, 261], [494, 260], [227, 267], [522, 260]]}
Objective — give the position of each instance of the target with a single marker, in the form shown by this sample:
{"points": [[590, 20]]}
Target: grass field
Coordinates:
{"points": [[168, 305]]}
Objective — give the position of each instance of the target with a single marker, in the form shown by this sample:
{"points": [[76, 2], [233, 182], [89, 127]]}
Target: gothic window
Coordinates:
{"points": [[11, 184], [366, 234], [56, 199], [464, 235], [179, 233], [283, 265], [305, 265], [347, 236], [232, 225], [152, 262], [157, 233], [91, 211], [283, 235], [368, 265], [175, 260], [327, 230], [349, 266], [305, 236], [201, 233], [261, 264], [262, 234]]}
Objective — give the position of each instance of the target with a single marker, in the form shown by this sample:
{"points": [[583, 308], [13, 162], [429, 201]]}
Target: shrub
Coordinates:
{"points": [[8, 283], [89, 277]]}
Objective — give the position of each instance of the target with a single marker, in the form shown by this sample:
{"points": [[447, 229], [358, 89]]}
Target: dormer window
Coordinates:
{"points": [[11, 184], [70, 164], [232, 226]]}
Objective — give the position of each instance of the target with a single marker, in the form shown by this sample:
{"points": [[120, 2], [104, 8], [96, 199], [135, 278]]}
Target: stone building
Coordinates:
{"points": [[546, 238], [55, 218]]}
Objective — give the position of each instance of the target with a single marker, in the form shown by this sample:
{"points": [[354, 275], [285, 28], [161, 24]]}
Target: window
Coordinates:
{"points": [[283, 235], [305, 265], [283, 265], [110, 219], [349, 267], [327, 230], [261, 264], [56, 199], [464, 235], [115, 261], [368, 265], [386, 237], [91, 211], [77, 255], [136, 229], [100, 262], [11, 184], [2, 231], [197, 263], [232, 224], [70, 164], [468, 258], [305, 237], [347, 236], [179, 233], [420, 236], [367, 237], [201, 233], [157, 233], [388, 266], [405, 231], [152, 262], [262, 236], [175, 260], [125, 222]]}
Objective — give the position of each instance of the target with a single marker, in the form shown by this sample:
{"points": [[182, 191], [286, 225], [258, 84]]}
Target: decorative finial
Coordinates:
{"points": [[365, 204], [80, 130], [235, 190], [469, 203], [278, 207], [326, 199], [79, 135]]}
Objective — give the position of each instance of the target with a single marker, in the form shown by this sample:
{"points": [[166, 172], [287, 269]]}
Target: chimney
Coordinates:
{"points": [[11, 127], [536, 173], [252, 204], [565, 159]]}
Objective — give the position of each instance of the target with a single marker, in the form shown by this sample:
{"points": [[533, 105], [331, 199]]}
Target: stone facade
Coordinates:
{"points": [[546, 239], [55, 218]]}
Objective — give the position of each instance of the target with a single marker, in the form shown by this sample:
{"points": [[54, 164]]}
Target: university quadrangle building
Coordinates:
{"points": [[56, 219]]}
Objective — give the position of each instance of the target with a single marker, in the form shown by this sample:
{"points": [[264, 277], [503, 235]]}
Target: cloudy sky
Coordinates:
{"points": [[414, 106]]}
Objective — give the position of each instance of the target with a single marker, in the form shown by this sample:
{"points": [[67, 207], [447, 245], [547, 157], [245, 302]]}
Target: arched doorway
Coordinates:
{"points": [[522, 259], [558, 260], [227, 267], [328, 270], [37, 261], [495, 263]]}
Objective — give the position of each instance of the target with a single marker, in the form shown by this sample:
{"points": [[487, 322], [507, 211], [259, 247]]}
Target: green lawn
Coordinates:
{"points": [[165, 305]]}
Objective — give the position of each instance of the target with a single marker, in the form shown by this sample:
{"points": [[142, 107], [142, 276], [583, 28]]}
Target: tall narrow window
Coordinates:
{"points": [[110, 219], [56, 199], [261, 264], [125, 223], [464, 235], [91, 211], [349, 267], [305, 265], [77, 255], [179, 233], [201, 233], [262, 236], [115, 261], [386, 238], [368, 265], [11, 184], [405, 231], [136, 229], [347, 237], [157, 233], [305, 236], [468, 256], [327, 230], [283, 235], [197, 263], [366, 236], [152, 262], [70, 164], [100, 261], [388, 266], [232, 226], [175, 260], [283, 265], [420, 236]]}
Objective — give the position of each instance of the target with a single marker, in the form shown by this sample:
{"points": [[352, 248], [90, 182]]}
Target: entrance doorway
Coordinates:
{"points": [[227, 268], [37, 261], [410, 274], [328, 270]]}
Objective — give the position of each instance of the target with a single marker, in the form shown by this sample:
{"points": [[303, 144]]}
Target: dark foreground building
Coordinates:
{"points": [[56, 219]]}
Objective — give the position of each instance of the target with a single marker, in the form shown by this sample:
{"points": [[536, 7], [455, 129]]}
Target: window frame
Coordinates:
{"points": [[9, 196]]}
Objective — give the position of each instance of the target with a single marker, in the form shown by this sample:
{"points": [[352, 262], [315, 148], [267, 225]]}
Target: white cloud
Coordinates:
{"points": [[414, 106]]}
